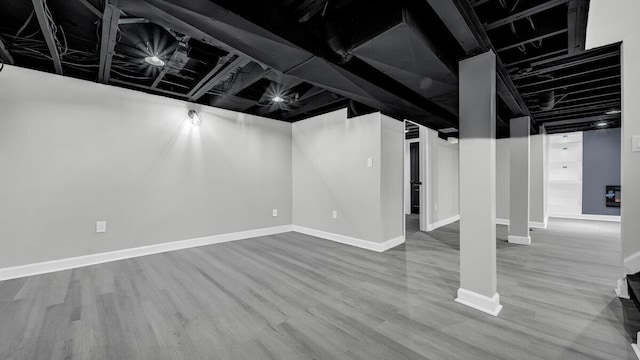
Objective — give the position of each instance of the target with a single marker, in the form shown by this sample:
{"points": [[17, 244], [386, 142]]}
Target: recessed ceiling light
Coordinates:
{"points": [[277, 99], [602, 124], [613, 112], [154, 60]]}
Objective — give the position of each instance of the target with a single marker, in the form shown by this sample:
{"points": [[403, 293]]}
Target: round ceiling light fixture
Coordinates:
{"points": [[154, 60], [277, 99]]}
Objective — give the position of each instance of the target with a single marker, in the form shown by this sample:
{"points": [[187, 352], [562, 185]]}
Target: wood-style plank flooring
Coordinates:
{"points": [[293, 296]]}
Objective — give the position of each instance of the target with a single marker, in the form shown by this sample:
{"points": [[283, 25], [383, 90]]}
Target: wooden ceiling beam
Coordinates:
{"points": [[216, 76], [108, 39], [45, 26]]}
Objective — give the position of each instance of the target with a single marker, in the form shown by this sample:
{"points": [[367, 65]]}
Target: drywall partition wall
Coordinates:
{"points": [[74, 152], [611, 22], [600, 167], [391, 182], [337, 170], [442, 180]]}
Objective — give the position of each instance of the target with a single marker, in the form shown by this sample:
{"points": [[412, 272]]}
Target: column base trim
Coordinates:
{"points": [[489, 305], [622, 289], [636, 350], [632, 263], [519, 240]]}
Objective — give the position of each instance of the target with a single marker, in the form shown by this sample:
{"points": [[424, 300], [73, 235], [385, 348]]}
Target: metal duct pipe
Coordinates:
{"points": [[547, 100]]}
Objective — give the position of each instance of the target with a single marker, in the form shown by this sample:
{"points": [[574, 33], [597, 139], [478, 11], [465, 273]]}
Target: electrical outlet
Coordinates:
{"points": [[275, 212], [335, 214], [101, 226], [370, 162]]}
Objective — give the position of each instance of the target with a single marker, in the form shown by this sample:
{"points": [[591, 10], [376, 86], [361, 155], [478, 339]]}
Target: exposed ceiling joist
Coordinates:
{"points": [[577, 74], [506, 88], [244, 80], [579, 106], [479, 2], [608, 94], [108, 39], [91, 8], [524, 14], [323, 99], [145, 87], [45, 26], [565, 65], [572, 85], [606, 105], [197, 92], [532, 39], [581, 120], [551, 56], [165, 69], [5, 55]]}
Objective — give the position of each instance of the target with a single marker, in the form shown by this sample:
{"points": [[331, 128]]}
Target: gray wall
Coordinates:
{"points": [[74, 152], [330, 173], [600, 167]]}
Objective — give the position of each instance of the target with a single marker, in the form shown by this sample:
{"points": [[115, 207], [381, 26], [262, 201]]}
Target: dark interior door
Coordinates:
{"points": [[415, 177]]}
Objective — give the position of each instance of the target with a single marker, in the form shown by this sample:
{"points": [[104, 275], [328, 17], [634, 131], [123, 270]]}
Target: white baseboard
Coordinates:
{"points": [[636, 350], [441, 223], [520, 240], [365, 244], [613, 218], [532, 224], [93, 259], [622, 289], [490, 305], [632, 263]]}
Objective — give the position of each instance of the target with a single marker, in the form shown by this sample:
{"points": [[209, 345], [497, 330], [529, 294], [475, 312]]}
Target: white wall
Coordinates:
{"points": [[330, 172], [565, 174], [611, 22], [74, 152], [443, 180]]}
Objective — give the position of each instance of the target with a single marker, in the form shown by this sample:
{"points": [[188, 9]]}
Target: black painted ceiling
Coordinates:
{"points": [[399, 57]]}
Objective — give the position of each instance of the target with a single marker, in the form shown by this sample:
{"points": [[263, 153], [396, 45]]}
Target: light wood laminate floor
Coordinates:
{"points": [[293, 296]]}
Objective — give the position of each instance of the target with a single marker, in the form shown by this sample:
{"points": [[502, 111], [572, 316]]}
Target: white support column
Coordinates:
{"points": [[478, 184], [519, 186]]}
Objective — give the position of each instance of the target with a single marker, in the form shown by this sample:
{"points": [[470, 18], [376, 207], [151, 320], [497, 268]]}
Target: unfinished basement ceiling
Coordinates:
{"points": [[291, 59]]}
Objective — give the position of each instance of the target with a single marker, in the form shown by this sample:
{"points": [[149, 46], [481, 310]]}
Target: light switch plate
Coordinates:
{"points": [[101, 226], [275, 212], [635, 143]]}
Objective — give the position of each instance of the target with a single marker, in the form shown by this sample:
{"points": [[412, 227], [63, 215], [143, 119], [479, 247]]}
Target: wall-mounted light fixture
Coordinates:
{"points": [[195, 119]]}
